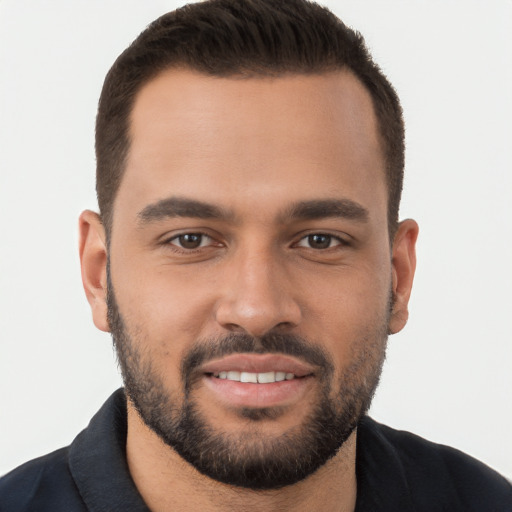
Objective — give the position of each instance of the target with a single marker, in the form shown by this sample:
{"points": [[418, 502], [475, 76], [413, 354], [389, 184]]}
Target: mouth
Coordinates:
{"points": [[257, 380]]}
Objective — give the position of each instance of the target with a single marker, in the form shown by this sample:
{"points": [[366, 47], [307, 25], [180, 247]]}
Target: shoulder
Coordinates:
{"points": [[39, 485], [437, 474]]}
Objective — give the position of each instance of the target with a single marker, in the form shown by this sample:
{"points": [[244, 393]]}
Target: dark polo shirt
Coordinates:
{"points": [[396, 471]]}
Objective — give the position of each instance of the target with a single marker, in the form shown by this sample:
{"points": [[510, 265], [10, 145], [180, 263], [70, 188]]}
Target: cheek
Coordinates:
{"points": [[164, 311], [352, 308]]}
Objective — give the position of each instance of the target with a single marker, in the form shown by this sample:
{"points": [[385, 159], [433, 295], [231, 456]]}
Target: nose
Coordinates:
{"points": [[257, 296]]}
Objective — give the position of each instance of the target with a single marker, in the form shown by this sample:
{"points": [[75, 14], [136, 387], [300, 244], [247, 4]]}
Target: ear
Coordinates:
{"points": [[93, 262], [403, 268]]}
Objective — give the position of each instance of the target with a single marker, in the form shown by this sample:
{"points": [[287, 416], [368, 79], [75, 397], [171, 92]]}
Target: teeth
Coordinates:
{"points": [[265, 378], [261, 378], [249, 377]]}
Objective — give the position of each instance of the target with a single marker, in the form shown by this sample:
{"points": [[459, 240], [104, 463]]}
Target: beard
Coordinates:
{"points": [[249, 458]]}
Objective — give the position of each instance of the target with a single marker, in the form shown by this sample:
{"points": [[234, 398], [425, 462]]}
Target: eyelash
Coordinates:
{"points": [[169, 242], [177, 248], [332, 238]]}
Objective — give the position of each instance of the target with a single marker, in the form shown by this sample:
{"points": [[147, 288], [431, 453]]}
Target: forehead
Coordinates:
{"points": [[227, 140]]}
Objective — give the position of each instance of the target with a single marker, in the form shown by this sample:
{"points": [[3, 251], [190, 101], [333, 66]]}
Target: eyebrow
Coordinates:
{"points": [[173, 207], [325, 208], [181, 207]]}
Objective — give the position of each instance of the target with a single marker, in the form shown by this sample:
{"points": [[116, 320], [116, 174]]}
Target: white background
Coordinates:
{"points": [[449, 374]]}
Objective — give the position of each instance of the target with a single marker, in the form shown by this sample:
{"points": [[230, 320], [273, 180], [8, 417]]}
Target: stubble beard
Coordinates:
{"points": [[250, 459]]}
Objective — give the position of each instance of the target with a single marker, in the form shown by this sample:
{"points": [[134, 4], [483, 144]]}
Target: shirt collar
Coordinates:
{"points": [[98, 463], [381, 476]]}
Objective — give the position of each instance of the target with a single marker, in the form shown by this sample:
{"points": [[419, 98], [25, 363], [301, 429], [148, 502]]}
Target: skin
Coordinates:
{"points": [[256, 148]]}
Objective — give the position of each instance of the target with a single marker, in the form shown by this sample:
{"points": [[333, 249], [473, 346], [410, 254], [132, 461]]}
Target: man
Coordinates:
{"points": [[250, 265]]}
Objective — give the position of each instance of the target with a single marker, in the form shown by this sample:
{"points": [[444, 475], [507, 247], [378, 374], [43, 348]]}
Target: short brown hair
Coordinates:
{"points": [[243, 38]]}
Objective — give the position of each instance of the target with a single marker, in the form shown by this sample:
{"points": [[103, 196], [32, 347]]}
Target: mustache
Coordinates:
{"points": [[271, 343]]}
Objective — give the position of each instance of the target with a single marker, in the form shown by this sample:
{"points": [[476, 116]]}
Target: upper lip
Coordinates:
{"points": [[258, 363]]}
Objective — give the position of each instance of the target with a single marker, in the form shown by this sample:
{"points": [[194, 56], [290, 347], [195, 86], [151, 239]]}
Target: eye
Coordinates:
{"points": [[319, 241], [191, 240]]}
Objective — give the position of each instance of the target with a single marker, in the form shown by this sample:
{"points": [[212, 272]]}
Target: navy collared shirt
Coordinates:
{"points": [[396, 471]]}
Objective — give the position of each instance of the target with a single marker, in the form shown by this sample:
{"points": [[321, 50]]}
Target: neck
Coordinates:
{"points": [[166, 482]]}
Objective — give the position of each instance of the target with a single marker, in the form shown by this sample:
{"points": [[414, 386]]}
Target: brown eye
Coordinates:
{"points": [[191, 240], [319, 241]]}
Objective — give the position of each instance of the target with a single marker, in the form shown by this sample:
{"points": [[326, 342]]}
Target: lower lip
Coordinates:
{"points": [[245, 394]]}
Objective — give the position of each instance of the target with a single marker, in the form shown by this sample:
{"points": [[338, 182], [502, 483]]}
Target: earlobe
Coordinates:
{"points": [[93, 262], [404, 266]]}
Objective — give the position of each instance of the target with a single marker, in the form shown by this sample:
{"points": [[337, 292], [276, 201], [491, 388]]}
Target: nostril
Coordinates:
{"points": [[231, 327], [255, 314], [282, 326]]}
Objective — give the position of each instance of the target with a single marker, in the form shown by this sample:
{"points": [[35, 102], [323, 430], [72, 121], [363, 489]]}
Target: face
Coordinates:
{"points": [[250, 270]]}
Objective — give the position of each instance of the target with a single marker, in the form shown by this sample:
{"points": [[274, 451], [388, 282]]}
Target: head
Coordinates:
{"points": [[242, 39], [250, 159]]}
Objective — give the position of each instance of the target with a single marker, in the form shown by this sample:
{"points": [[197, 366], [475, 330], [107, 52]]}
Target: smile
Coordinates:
{"points": [[255, 378]]}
